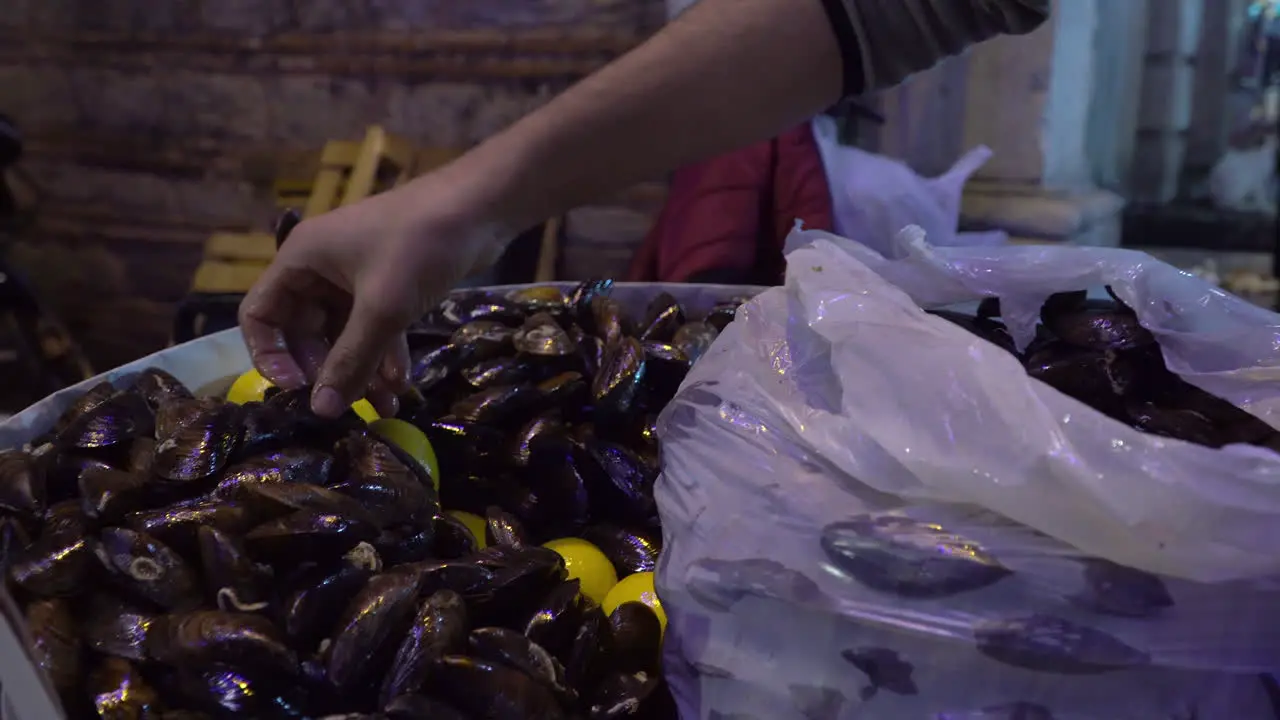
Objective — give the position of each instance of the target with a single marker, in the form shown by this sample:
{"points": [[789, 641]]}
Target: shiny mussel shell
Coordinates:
{"points": [[500, 405], [22, 485], [438, 629], [381, 611], [208, 637], [491, 690], [661, 319], [119, 419], [629, 552], [107, 494], [694, 339], [314, 597], [201, 445], [555, 623], [55, 643], [306, 535], [393, 486], [143, 567], [119, 691], [176, 525], [116, 627], [157, 387], [232, 580], [510, 648], [542, 336], [617, 383], [55, 564], [285, 466]]}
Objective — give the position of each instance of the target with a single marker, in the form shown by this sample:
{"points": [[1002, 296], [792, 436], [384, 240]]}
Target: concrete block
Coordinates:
{"points": [[439, 113], [253, 18], [309, 110], [114, 101], [223, 106], [37, 97], [15, 14]]}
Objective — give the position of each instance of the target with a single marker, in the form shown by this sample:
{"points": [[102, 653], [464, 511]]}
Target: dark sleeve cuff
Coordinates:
{"points": [[850, 51]]}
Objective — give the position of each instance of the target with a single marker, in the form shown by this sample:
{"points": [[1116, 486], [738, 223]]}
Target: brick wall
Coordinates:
{"points": [[147, 121]]}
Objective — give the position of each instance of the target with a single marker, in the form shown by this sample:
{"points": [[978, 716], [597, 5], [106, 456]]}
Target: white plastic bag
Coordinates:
{"points": [[873, 196], [836, 399]]}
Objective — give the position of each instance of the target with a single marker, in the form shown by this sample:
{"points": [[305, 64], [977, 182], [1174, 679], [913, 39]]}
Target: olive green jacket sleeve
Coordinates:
{"points": [[884, 41]]}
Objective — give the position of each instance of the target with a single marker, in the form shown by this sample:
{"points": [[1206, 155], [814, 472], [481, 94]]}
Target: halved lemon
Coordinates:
{"points": [[588, 565], [635, 588], [408, 438]]}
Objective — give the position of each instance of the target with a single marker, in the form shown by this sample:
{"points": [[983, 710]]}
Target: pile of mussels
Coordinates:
{"points": [[181, 557], [1096, 351]]}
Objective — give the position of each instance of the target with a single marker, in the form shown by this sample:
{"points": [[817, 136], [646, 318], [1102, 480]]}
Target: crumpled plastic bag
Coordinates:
{"points": [[870, 513], [873, 196]]}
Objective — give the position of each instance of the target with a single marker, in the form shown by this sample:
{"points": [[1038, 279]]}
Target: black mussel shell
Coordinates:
{"points": [[306, 535], [157, 387], [62, 471], [175, 413], [92, 398], [22, 485], [468, 579], [661, 319], [232, 580], [522, 443], [694, 339], [227, 690], [1097, 325], [629, 551], [556, 474], [500, 405], [1114, 589], [418, 707], [55, 564], [989, 307], [285, 466], [144, 568], [275, 500], [176, 524], [491, 690], [667, 367], [608, 321], [591, 650], [438, 629], [637, 638], [1179, 424], [993, 331], [116, 627], [555, 623], [118, 690], [541, 336], [617, 383], [463, 448], [624, 695], [540, 298], [201, 446], [483, 339], [453, 539], [1049, 644], [1093, 378], [207, 637], [314, 597], [522, 578], [592, 351], [721, 315], [400, 544], [568, 393], [508, 647], [433, 368], [317, 431], [503, 528], [118, 419], [394, 487], [14, 541], [464, 307], [499, 371], [620, 484], [107, 494], [581, 297], [908, 558], [142, 455], [55, 643], [380, 613], [266, 428]]}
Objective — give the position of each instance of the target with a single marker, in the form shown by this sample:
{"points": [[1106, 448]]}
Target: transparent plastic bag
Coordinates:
{"points": [[1029, 557], [873, 196]]}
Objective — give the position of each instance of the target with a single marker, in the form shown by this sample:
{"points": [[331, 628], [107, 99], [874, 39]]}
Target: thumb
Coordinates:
{"points": [[353, 362]]}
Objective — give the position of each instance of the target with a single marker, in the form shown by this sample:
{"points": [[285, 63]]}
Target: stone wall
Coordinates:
{"points": [[148, 122]]}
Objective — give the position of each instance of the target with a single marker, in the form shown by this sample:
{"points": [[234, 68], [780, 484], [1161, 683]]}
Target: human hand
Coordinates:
{"points": [[332, 308]]}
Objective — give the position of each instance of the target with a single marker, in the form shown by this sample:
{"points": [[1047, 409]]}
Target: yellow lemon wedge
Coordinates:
{"points": [[366, 412], [249, 387], [587, 565], [410, 439], [636, 588]]}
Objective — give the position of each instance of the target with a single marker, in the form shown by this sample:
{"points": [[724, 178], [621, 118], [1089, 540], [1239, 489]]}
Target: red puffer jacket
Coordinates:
{"points": [[726, 219]]}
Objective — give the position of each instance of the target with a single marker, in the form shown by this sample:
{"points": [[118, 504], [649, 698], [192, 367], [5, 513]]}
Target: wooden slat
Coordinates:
{"points": [[215, 276], [241, 247]]}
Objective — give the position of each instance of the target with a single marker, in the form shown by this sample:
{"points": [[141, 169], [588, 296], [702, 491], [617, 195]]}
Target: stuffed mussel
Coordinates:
{"points": [[177, 556]]}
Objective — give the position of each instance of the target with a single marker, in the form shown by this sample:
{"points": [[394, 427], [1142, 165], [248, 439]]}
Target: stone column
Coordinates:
{"points": [[1028, 98]]}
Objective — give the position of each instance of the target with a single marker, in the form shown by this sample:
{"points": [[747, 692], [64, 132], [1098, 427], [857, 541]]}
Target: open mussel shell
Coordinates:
{"points": [[469, 306], [510, 648], [1093, 324], [382, 610], [637, 638], [116, 420], [904, 557], [210, 637], [157, 387], [56, 562], [540, 298], [286, 466], [314, 596], [233, 581], [491, 690], [541, 336], [55, 643], [661, 319], [306, 535], [439, 628], [630, 552], [145, 568], [394, 487], [201, 444], [118, 690], [694, 339]]}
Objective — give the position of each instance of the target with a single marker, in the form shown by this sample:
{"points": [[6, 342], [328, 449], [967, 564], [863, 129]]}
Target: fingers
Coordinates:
{"points": [[261, 317], [353, 362], [392, 379]]}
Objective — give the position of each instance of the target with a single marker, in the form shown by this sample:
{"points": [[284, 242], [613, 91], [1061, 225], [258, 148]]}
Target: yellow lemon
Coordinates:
{"points": [[635, 588], [365, 410], [408, 438], [249, 387], [474, 523], [588, 565]]}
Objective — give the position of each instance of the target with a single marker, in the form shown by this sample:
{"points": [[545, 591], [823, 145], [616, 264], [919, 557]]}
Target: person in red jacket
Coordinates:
{"points": [[726, 219]]}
